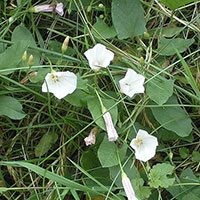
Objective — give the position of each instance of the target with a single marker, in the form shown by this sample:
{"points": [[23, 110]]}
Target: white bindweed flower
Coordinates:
{"points": [[49, 8], [91, 139], [132, 83], [112, 133], [99, 57], [144, 145], [128, 187], [60, 83]]}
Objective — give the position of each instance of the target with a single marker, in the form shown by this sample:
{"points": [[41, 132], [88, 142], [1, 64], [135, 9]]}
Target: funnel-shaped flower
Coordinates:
{"points": [[132, 83], [60, 83], [144, 145], [99, 57], [128, 187], [49, 8], [112, 133]]}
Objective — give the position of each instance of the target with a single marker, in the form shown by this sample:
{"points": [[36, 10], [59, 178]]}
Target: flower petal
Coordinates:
{"points": [[145, 149], [65, 84], [132, 83], [90, 55], [91, 139], [99, 56], [59, 9]]}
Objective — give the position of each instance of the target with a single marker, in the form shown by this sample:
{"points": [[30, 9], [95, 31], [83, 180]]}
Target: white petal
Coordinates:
{"points": [[103, 55], [99, 56], [132, 83], [147, 149], [130, 74], [59, 9], [66, 84], [46, 83], [91, 56], [147, 138]]}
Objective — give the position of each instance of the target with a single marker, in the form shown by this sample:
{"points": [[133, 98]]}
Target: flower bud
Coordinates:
{"points": [[30, 61], [101, 5], [112, 133], [146, 35], [65, 45], [141, 60], [101, 16], [89, 8], [11, 19], [24, 56], [128, 187]]}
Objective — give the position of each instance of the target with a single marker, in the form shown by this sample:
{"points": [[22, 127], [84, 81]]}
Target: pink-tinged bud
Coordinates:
{"points": [[65, 45], [112, 133], [48, 8], [43, 8], [30, 61], [91, 139], [128, 187]]}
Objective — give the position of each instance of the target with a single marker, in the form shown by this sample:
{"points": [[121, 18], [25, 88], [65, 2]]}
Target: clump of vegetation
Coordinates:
{"points": [[99, 100]]}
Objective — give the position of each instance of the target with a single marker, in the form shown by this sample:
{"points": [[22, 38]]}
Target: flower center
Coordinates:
{"points": [[54, 77], [97, 64], [127, 84], [138, 142]]}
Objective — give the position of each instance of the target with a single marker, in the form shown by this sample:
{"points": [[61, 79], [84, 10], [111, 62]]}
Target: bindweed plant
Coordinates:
{"points": [[99, 100]]}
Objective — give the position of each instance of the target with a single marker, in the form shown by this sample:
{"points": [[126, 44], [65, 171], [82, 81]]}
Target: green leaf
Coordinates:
{"points": [[184, 152], [128, 18], [21, 33], [196, 156], [95, 109], [107, 153], [165, 31], [102, 30], [81, 83], [185, 192], [166, 136], [140, 190], [129, 169], [160, 91], [11, 108], [40, 76], [166, 46], [173, 4], [89, 160], [50, 175], [46, 142], [173, 118], [158, 176], [11, 57], [78, 98]]}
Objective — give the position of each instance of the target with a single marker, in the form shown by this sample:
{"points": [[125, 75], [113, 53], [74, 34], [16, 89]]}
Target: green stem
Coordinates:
{"points": [[120, 164], [103, 108]]}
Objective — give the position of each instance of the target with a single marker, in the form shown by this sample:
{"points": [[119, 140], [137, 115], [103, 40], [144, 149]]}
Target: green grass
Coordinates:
{"points": [[67, 168]]}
